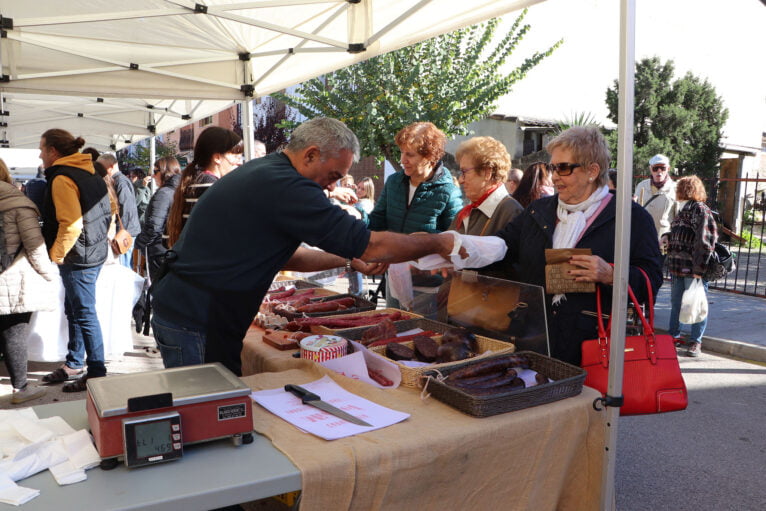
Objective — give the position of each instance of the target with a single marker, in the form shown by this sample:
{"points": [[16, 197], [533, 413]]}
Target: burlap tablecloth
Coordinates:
{"points": [[545, 457], [259, 357]]}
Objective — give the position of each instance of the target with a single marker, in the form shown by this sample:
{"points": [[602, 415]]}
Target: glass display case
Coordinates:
{"points": [[500, 309]]}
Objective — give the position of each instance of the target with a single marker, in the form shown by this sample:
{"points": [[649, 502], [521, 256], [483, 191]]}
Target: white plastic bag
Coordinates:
{"points": [[693, 304]]}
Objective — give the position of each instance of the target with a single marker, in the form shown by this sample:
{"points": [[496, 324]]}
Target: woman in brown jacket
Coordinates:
{"points": [[27, 283]]}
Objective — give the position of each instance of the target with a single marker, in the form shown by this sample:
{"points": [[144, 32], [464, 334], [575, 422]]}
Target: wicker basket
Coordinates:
{"points": [[318, 329], [411, 375], [568, 382], [360, 305]]}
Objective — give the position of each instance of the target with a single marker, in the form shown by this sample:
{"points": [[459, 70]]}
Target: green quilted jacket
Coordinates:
{"points": [[434, 206]]}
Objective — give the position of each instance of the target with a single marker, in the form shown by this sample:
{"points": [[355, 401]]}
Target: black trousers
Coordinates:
{"points": [[14, 330]]}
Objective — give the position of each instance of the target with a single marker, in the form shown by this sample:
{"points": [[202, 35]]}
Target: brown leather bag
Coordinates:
{"points": [[122, 240]]}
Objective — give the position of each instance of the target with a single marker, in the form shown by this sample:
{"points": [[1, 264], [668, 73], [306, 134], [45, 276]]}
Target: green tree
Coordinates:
{"points": [[682, 118], [137, 155], [267, 122], [450, 80]]}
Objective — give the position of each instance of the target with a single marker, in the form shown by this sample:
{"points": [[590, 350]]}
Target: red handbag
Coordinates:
{"points": [[652, 380]]}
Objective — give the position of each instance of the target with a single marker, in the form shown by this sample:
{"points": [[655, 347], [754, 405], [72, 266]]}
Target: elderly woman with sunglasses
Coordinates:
{"points": [[581, 214]]}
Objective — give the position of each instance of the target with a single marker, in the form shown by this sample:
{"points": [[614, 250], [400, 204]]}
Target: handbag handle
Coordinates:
{"points": [[648, 326]]}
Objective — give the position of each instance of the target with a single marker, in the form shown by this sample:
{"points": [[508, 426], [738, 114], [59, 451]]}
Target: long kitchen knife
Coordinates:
{"points": [[311, 399]]}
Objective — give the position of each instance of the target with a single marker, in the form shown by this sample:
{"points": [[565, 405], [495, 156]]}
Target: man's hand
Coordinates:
{"points": [[342, 194], [448, 241], [369, 268]]}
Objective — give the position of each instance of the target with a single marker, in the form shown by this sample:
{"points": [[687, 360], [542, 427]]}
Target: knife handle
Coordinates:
{"points": [[302, 393]]}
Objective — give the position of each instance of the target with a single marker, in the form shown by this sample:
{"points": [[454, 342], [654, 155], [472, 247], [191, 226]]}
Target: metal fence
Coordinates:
{"points": [[747, 243]]}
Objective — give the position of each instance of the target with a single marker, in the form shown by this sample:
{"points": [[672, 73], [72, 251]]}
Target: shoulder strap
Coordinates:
{"points": [[650, 200]]}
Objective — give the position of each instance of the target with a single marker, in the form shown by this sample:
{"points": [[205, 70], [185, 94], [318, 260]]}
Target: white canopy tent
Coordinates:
{"points": [[111, 73], [163, 51]]}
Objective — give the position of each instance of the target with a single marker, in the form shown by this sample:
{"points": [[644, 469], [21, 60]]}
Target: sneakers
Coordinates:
{"points": [[694, 350], [27, 394], [680, 342]]}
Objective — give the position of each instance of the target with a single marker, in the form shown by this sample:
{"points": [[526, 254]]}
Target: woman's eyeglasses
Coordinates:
{"points": [[463, 172], [562, 169]]}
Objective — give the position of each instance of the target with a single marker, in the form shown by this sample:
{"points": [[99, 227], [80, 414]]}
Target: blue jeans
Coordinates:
{"points": [[85, 335], [677, 287], [179, 345], [126, 259]]}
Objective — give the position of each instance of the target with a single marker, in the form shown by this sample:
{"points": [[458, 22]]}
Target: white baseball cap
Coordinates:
{"points": [[659, 159]]}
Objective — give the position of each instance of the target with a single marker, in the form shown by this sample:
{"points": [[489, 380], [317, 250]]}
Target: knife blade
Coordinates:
{"points": [[311, 399]]}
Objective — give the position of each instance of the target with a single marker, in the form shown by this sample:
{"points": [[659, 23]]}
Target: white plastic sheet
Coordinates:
{"points": [[117, 291], [481, 250]]}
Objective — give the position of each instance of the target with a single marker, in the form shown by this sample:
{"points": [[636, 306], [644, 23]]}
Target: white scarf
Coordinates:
{"points": [[572, 221]]}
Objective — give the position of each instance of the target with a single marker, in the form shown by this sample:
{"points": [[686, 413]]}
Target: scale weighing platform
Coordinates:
{"points": [[147, 418]]}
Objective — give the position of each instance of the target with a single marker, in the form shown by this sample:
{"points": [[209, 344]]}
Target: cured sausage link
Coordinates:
{"points": [[488, 366], [504, 379], [401, 338]]}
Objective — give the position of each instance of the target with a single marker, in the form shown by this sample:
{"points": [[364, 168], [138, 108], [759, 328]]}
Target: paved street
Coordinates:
{"points": [[708, 457]]}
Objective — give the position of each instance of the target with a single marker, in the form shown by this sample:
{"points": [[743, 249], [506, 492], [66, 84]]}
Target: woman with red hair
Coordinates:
{"points": [[422, 197]]}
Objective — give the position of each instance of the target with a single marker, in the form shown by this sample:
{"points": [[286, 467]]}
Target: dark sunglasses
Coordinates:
{"points": [[658, 168], [562, 169]]}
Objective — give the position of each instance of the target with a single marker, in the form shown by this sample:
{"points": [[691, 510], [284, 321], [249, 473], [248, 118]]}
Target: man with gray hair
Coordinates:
{"points": [[658, 194], [249, 226]]}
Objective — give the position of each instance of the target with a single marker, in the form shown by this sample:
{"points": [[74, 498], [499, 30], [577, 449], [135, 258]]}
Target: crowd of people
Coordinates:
{"points": [[213, 239]]}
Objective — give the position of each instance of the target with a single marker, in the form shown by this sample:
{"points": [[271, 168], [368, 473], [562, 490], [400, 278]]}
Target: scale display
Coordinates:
{"points": [[152, 439]]}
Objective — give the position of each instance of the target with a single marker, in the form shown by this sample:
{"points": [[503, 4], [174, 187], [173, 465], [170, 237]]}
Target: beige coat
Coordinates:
{"points": [[30, 283]]}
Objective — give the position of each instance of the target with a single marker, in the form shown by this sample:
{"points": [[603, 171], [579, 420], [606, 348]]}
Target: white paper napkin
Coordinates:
{"points": [[67, 473], [12, 493], [80, 450]]}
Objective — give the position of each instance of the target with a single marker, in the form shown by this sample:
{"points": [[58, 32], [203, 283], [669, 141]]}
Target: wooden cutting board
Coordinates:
{"points": [[279, 339]]}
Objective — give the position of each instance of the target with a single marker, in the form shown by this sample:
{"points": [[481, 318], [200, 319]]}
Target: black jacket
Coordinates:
{"points": [[156, 217], [530, 233], [127, 199], [92, 246]]}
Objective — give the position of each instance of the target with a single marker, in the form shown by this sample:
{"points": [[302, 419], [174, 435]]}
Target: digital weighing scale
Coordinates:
{"points": [[147, 418]]}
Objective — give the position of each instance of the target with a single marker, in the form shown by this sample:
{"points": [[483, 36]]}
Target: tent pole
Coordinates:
{"points": [[152, 159], [621, 242], [248, 131]]}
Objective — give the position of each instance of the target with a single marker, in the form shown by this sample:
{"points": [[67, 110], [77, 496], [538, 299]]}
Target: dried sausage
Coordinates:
{"points": [[401, 338], [490, 365]]}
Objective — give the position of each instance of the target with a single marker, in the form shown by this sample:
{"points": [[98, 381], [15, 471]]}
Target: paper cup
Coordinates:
{"points": [[323, 347]]}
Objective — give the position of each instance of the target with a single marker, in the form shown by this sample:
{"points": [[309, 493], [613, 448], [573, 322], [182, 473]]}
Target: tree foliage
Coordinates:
{"points": [[681, 118], [137, 155], [268, 121], [450, 80]]}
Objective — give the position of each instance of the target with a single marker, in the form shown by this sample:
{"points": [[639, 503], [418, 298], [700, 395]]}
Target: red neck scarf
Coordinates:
{"points": [[470, 207]]}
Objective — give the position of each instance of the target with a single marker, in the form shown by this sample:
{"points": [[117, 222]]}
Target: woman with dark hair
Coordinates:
{"points": [[141, 190], [216, 153], [690, 244], [534, 184], [167, 174]]}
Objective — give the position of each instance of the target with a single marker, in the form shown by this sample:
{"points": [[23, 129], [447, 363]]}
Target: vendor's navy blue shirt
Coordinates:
{"points": [[240, 234]]}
